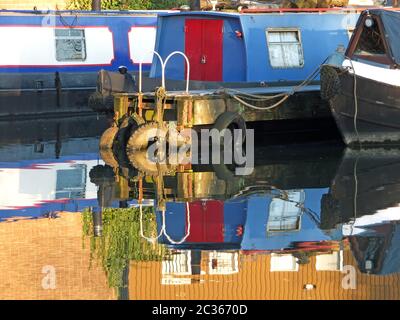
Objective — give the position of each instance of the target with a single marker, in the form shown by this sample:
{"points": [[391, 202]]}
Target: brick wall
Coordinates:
{"points": [[30, 4], [28, 246]]}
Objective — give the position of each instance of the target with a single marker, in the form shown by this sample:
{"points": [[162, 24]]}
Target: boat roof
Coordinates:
{"points": [[84, 12], [350, 9]]}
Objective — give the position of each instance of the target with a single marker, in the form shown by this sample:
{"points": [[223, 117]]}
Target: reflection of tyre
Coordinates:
{"points": [[231, 121], [107, 139], [223, 172], [101, 174], [109, 158], [128, 125], [145, 135], [148, 133], [143, 163]]}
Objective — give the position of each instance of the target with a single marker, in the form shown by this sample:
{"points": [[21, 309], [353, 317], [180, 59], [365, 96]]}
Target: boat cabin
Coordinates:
{"points": [[75, 41], [376, 39], [250, 47]]}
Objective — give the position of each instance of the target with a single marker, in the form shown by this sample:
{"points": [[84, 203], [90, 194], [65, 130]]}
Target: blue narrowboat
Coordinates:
{"points": [[49, 61], [260, 49]]}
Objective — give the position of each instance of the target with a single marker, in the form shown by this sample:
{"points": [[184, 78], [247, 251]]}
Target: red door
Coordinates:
{"points": [[206, 221], [203, 46]]}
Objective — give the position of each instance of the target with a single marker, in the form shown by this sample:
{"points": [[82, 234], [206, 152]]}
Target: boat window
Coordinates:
{"points": [[370, 42], [285, 48], [70, 44], [285, 215]]}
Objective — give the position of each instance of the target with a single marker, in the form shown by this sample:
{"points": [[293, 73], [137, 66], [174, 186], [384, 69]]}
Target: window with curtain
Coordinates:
{"points": [[70, 44], [285, 49]]}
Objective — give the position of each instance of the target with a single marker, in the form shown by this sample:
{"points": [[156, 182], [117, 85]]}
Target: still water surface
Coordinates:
{"points": [[313, 221]]}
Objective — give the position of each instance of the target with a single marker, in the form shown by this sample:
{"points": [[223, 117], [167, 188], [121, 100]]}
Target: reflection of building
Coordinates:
{"points": [[28, 246], [189, 263], [263, 277]]}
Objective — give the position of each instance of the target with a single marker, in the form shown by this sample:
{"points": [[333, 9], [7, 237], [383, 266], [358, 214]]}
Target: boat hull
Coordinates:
{"points": [[375, 120]]}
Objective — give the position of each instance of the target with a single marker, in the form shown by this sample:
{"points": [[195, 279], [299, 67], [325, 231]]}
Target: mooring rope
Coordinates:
{"points": [[239, 95], [355, 101]]}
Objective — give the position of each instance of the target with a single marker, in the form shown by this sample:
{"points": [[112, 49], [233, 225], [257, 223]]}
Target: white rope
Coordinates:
{"points": [[261, 108], [355, 101]]}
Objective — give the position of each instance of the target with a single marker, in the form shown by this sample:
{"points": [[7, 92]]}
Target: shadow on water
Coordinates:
{"points": [[307, 208]]}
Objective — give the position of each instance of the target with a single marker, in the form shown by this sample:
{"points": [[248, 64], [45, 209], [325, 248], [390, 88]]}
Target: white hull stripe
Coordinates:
{"points": [[383, 75]]}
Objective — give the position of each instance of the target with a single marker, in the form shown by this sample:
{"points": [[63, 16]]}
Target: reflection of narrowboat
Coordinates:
{"points": [[376, 243], [366, 181], [364, 88], [49, 61], [364, 198], [260, 222]]}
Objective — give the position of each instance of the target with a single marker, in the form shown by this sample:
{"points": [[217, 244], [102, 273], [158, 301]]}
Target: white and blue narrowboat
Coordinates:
{"points": [[50, 60]]}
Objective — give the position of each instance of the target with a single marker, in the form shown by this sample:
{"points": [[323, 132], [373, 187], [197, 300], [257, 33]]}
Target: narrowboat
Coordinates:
{"points": [[262, 49], [217, 69], [363, 85], [50, 60]]}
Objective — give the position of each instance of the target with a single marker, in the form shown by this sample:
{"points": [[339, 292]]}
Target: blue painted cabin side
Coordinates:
{"points": [[246, 46]]}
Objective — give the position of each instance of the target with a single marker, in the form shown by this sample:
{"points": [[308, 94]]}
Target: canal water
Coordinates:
{"points": [[313, 221]]}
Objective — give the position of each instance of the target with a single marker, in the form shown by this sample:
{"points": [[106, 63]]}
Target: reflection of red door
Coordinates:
{"points": [[203, 46], [206, 221]]}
